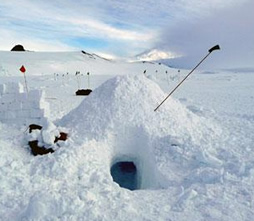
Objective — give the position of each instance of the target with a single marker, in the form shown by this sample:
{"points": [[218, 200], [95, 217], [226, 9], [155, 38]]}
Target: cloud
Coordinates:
{"points": [[64, 22], [125, 28], [232, 28], [9, 39]]}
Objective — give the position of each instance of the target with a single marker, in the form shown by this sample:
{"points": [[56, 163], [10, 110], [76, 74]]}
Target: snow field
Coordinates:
{"points": [[194, 156]]}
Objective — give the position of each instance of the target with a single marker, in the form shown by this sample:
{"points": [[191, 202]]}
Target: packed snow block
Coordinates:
{"points": [[34, 104], [35, 99], [43, 104], [26, 105], [2, 114], [36, 113], [22, 97], [21, 108], [23, 113], [13, 121], [38, 105], [11, 115], [14, 105], [8, 98], [2, 89], [35, 95], [45, 107], [14, 88], [3, 106]]}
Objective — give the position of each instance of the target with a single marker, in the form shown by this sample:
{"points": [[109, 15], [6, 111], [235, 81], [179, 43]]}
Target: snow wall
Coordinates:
{"points": [[20, 108]]}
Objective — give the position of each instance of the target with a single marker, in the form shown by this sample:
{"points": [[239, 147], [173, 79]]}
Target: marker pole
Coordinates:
{"points": [[216, 47]]}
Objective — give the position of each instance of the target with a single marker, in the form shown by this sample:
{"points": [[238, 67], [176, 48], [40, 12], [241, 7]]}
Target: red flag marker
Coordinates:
{"points": [[22, 69]]}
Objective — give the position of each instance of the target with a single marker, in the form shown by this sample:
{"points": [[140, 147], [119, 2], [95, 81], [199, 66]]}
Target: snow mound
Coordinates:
{"points": [[129, 101], [121, 114]]}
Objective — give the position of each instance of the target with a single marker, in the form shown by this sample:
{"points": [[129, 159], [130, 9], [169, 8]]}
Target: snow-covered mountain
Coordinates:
{"points": [[192, 159], [38, 63], [155, 55], [167, 58]]}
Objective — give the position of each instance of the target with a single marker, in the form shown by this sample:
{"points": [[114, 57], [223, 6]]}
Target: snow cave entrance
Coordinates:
{"points": [[125, 174]]}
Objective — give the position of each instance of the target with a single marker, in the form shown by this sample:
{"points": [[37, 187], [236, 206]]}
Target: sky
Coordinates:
{"points": [[124, 29]]}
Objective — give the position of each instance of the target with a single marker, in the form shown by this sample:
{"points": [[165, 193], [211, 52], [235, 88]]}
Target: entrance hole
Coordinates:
{"points": [[125, 174]]}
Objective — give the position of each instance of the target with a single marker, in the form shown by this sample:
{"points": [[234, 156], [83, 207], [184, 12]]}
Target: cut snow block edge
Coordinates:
{"points": [[19, 108]]}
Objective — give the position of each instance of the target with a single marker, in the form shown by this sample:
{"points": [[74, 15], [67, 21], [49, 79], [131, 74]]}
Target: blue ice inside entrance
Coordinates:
{"points": [[125, 174]]}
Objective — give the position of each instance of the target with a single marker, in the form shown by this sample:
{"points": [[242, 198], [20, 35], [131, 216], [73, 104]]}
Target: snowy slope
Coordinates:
{"points": [[194, 156], [48, 63]]}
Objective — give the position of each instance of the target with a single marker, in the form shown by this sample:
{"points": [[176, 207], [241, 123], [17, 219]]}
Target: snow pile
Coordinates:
{"points": [[129, 101], [20, 108], [121, 114], [47, 136]]}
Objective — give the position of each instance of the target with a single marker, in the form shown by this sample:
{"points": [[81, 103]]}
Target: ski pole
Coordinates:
{"points": [[216, 47]]}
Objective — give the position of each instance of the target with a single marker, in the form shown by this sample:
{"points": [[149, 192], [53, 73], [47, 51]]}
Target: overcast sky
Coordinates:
{"points": [[125, 28]]}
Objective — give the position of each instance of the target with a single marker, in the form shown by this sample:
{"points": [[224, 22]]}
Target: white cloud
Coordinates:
{"points": [[129, 27], [45, 21], [9, 39], [95, 28], [232, 28]]}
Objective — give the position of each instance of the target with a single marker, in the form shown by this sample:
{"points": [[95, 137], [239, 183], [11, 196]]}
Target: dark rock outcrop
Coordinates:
{"points": [[18, 48]]}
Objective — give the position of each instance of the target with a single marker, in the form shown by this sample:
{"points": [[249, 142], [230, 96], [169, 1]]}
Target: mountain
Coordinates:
{"points": [[166, 58], [154, 55], [41, 63]]}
